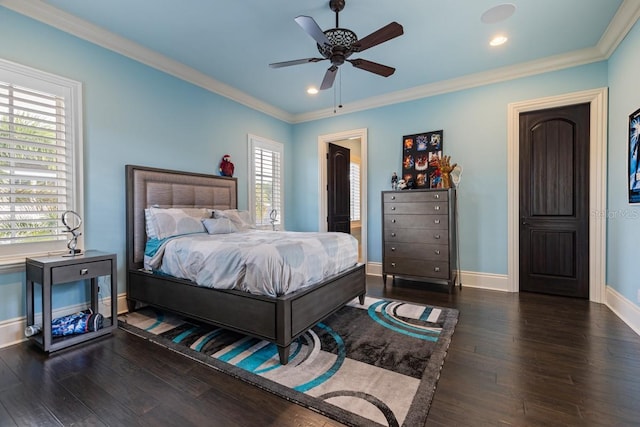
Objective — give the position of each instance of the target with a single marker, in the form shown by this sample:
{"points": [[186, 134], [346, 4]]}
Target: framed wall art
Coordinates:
{"points": [[634, 157], [420, 153]]}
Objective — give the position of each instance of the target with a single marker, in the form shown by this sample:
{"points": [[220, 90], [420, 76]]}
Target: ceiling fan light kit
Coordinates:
{"points": [[338, 44]]}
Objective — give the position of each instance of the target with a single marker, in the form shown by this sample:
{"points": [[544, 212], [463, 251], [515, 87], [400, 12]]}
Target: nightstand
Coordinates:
{"points": [[49, 271]]}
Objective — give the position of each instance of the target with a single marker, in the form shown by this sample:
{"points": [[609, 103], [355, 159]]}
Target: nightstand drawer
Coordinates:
{"points": [[87, 270]]}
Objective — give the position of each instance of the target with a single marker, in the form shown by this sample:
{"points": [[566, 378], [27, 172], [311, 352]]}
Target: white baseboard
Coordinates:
{"points": [[623, 308], [12, 330], [494, 282]]}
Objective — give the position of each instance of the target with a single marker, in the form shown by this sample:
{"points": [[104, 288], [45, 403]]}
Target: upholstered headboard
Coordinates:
{"points": [[147, 187]]}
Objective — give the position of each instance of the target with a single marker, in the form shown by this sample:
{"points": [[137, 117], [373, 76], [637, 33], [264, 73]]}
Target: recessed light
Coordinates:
{"points": [[498, 40], [312, 90], [498, 13]]}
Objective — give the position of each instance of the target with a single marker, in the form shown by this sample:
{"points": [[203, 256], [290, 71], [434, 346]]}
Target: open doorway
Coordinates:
{"points": [[356, 142]]}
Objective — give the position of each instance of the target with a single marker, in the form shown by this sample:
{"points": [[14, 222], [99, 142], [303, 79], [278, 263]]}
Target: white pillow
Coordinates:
{"points": [[219, 225], [241, 219], [168, 222]]}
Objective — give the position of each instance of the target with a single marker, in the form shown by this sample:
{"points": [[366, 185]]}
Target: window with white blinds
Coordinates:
{"points": [[266, 182], [354, 177], [39, 143]]}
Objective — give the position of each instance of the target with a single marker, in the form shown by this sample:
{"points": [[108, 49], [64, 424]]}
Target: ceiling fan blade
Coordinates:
{"points": [[372, 67], [295, 62], [311, 27], [385, 33], [329, 78]]}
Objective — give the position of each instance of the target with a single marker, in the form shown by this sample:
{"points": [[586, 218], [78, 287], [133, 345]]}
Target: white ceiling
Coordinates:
{"points": [[226, 46]]}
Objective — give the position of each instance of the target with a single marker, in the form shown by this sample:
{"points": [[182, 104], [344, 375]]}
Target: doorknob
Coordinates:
{"points": [[524, 221]]}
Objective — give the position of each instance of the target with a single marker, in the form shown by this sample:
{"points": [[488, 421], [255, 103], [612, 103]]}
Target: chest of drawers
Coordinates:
{"points": [[419, 235]]}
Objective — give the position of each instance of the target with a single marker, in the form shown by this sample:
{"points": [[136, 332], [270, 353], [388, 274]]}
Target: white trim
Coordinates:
{"points": [[624, 19], [597, 183], [624, 309], [470, 279], [323, 150], [12, 330]]}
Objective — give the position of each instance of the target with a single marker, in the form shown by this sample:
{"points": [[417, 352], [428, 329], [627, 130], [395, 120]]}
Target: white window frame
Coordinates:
{"points": [[12, 255], [257, 142]]}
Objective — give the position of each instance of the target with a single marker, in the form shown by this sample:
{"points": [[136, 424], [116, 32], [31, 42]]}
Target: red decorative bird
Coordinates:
{"points": [[226, 167]]}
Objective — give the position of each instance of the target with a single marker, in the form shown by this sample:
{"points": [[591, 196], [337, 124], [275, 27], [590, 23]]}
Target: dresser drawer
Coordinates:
{"points": [[88, 270], [426, 208], [440, 222], [417, 267], [432, 252], [408, 196], [409, 235]]}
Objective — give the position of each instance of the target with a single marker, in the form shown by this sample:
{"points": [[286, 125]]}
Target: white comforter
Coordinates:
{"points": [[270, 263]]}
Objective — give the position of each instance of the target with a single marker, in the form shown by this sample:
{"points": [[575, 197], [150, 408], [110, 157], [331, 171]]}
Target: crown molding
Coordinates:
{"points": [[627, 15], [525, 69], [45, 13]]}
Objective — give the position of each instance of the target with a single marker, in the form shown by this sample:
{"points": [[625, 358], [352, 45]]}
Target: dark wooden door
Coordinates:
{"points": [[339, 189], [554, 201]]}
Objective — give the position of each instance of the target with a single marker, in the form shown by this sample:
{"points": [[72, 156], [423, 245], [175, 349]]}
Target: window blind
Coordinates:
{"points": [[36, 178], [354, 173], [267, 179]]}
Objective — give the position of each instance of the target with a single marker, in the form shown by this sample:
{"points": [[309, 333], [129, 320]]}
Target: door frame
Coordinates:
{"points": [[597, 98], [323, 149]]}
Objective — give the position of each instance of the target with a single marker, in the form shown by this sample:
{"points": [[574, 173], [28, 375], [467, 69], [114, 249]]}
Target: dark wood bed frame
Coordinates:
{"points": [[279, 320]]}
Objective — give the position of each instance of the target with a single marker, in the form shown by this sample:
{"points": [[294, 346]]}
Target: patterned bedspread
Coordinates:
{"points": [[261, 262]]}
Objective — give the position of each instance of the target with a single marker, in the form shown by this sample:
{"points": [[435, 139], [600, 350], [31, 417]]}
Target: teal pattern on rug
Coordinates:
{"points": [[371, 364]]}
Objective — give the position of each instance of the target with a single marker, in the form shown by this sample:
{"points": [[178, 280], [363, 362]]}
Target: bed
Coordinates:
{"points": [[279, 319]]}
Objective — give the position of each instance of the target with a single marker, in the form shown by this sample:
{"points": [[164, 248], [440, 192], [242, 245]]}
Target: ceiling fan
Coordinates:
{"points": [[338, 44]]}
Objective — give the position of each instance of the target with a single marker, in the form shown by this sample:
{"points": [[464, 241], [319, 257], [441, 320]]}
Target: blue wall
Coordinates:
{"points": [[475, 135], [623, 219], [133, 114]]}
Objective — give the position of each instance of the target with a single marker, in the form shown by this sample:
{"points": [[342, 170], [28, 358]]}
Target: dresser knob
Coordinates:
{"points": [[436, 269], [393, 197], [393, 264], [436, 221], [393, 234], [393, 221], [437, 207], [84, 271], [436, 196], [437, 251], [436, 236], [393, 249], [393, 208]]}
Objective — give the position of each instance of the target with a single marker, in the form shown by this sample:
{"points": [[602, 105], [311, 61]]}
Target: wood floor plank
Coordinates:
{"points": [[515, 360]]}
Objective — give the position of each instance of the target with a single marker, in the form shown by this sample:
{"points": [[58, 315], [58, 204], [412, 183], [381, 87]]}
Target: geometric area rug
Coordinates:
{"points": [[373, 364]]}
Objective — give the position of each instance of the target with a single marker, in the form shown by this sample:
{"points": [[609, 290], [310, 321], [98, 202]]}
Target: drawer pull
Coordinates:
{"points": [[436, 269], [437, 251], [393, 208], [436, 221], [437, 207], [393, 197], [393, 249], [436, 196], [84, 271], [393, 264], [393, 221], [436, 236], [393, 234]]}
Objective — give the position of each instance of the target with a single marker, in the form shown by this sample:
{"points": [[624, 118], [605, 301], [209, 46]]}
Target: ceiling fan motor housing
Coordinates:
{"points": [[341, 41]]}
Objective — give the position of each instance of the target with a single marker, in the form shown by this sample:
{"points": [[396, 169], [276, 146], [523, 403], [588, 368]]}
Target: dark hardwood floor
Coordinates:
{"points": [[515, 359]]}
